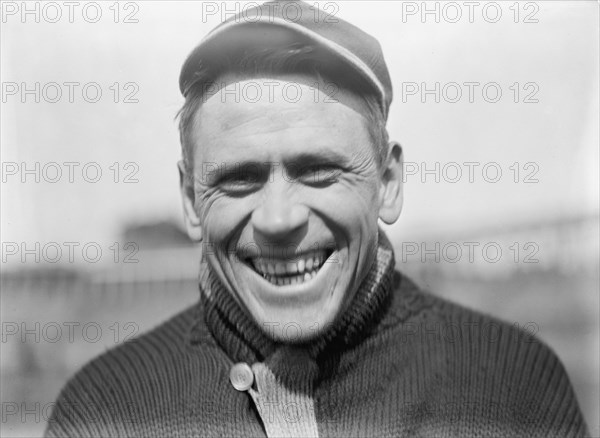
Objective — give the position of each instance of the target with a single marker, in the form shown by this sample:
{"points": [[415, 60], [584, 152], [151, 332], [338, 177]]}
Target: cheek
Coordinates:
{"points": [[351, 205], [222, 216]]}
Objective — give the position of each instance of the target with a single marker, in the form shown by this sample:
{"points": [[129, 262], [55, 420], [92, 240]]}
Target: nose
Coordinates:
{"points": [[278, 216]]}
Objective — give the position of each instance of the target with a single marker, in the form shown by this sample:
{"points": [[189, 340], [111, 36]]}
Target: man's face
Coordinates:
{"points": [[287, 194]]}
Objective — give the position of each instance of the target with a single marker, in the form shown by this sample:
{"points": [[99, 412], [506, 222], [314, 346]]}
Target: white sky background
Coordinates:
{"points": [[560, 133]]}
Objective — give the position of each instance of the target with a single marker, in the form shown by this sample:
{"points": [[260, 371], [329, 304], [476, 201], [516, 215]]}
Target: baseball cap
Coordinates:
{"points": [[281, 23]]}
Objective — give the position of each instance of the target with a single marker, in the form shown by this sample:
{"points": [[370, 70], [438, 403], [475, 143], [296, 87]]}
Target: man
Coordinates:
{"points": [[304, 328]]}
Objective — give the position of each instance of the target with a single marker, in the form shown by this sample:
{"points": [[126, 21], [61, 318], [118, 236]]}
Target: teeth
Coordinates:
{"points": [[282, 273], [309, 264], [287, 280]]}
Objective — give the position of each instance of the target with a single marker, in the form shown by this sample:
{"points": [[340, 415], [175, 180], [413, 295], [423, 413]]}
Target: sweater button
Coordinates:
{"points": [[241, 376]]}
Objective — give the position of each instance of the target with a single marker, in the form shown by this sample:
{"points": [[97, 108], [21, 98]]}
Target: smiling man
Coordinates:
{"points": [[290, 213], [304, 328]]}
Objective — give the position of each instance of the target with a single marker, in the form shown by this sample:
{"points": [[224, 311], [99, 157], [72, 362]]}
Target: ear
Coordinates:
{"points": [[188, 196], [391, 196]]}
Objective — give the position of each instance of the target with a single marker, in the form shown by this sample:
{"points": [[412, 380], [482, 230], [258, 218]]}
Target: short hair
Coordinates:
{"points": [[296, 58]]}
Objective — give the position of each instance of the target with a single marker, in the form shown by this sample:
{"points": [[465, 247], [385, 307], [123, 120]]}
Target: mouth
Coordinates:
{"points": [[301, 269]]}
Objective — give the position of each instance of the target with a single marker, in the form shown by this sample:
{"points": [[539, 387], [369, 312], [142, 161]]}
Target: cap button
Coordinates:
{"points": [[241, 376]]}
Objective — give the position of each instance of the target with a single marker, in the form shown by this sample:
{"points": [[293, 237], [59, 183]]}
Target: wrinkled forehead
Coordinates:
{"points": [[287, 88], [238, 123]]}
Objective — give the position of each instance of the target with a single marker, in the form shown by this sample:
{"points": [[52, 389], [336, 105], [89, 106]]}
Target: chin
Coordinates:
{"points": [[297, 301]]}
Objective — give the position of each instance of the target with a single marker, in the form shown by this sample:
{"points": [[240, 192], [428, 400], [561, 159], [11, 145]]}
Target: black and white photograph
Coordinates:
{"points": [[300, 218]]}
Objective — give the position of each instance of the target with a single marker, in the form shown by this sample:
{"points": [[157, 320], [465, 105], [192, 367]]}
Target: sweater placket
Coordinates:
{"points": [[287, 409]]}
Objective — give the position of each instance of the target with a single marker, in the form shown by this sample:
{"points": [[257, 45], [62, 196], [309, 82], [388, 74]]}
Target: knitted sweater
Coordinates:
{"points": [[401, 362]]}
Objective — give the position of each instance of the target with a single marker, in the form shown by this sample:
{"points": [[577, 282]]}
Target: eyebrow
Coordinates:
{"points": [[308, 158], [226, 169], [302, 159]]}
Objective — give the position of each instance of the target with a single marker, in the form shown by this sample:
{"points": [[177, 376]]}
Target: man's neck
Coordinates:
{"points": [[243, 340]]}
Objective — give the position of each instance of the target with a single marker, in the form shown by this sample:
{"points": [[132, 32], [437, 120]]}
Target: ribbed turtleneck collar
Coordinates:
{"points": [[242, 339]]}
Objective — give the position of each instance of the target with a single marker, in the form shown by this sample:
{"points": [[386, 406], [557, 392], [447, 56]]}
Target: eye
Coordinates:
{"points": [[319, 175], [240, 181]]}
